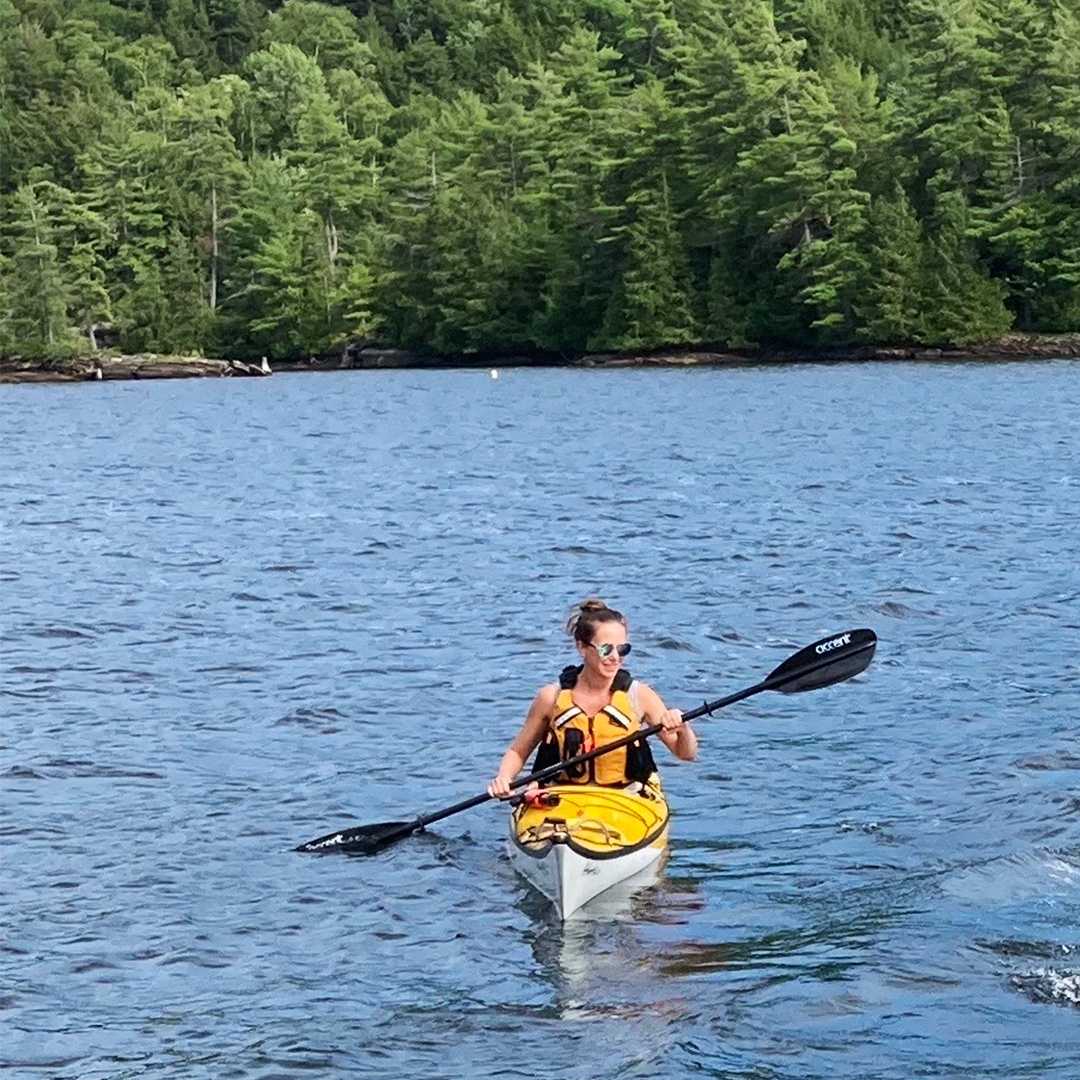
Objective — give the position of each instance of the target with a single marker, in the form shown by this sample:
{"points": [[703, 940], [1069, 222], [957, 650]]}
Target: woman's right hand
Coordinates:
{"points": [[499, 788]]}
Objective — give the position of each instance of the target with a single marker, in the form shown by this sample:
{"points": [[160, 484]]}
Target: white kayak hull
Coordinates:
{"points": [[591, 841], [570, 880]]}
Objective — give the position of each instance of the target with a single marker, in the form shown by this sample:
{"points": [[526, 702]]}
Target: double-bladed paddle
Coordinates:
{"points": [[830, 660]]}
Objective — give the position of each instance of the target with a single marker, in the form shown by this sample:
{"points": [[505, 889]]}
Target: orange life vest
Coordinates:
{"points": [[572, 732]]}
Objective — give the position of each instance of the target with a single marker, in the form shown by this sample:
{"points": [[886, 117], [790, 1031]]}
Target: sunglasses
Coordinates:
{"points": [[605, 650]]}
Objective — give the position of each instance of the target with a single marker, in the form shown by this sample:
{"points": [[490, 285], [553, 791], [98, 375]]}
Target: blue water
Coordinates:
{"points": [[237, 614]]}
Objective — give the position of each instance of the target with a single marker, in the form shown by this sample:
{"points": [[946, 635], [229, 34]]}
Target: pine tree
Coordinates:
{"points": [[781, 185], [265, 309], [567, 161], [649, 34], [890, 306], [89, 303], [955, 122], [285, 82], [35, 286], [1031, 220], [164, 308], [235, 26], [653, 300], [185, 24], [126, 186], [963, 305], [55, 90], [329, 35], [837, 30], [209, 173]]}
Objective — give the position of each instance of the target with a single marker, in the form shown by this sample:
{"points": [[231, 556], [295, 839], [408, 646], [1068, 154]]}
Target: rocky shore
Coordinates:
{"points": [[114, 366], [373, 358], [1009, 347]]}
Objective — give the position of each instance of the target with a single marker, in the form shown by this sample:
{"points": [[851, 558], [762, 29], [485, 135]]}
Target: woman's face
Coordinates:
{"points": [[606, 633]]}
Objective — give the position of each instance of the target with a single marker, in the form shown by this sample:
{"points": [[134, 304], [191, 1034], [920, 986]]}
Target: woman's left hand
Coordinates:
{"points": [[671, 720]]}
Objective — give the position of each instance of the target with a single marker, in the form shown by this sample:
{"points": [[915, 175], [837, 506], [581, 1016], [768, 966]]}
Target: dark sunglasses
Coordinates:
{"points": [[605, 650]]}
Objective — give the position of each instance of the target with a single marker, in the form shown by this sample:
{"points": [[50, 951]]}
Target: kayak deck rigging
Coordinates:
{"points": [[574, 841]]}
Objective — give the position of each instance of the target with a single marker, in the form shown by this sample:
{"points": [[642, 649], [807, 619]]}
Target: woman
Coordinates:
{"points": [[593, 705]]}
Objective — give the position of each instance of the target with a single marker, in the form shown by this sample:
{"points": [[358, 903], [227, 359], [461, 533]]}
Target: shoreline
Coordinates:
{"points": [[112, 366]]}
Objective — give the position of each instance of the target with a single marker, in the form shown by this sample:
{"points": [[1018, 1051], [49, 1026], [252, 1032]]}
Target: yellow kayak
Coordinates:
{"points": [[574, 841]]}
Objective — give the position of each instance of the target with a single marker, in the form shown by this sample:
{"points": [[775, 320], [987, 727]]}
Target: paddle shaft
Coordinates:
{"points": [[553, 770], [847, 654], [776, 679], [642, 733]]}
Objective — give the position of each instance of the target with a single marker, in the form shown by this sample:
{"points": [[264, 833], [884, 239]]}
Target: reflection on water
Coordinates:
{"points": [[600, 965]]}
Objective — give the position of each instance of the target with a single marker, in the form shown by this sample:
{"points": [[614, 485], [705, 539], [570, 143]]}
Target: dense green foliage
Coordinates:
{"points": [[236, 178]]}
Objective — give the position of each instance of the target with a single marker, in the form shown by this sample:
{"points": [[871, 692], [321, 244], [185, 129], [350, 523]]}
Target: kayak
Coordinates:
{"points": [[575, 841]]}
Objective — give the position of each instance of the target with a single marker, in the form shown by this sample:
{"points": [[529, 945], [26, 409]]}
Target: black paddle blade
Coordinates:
{"points": [[360, 839], [830, 660]]}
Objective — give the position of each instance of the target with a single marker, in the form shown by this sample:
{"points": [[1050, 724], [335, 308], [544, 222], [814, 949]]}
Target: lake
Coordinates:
{"points": [[238, 614]]}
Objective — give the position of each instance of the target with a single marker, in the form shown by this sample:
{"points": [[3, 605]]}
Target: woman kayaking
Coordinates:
{"points": [[592, 705]]}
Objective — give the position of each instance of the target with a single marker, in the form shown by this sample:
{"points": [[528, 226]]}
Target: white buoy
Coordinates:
{"points": [[494, 373]]}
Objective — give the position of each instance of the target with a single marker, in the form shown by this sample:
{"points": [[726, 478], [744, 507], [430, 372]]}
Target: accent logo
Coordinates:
{"points": [[836, 643]]}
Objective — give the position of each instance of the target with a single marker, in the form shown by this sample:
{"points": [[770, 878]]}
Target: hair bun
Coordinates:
{"points": [[585, 615]]}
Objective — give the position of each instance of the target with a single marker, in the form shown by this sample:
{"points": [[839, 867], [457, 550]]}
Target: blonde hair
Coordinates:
{"points": [[588, 615]]}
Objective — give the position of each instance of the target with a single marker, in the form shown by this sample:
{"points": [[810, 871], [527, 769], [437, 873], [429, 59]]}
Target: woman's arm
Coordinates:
{"points": [[678, 737], [526, 740]]}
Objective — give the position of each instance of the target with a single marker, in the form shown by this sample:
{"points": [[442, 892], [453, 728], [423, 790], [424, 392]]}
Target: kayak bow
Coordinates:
{"points": [[575, 841]]}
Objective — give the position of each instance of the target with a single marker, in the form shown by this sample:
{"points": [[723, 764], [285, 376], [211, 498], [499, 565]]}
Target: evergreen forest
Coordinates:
{"points": [[241, 178]]}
